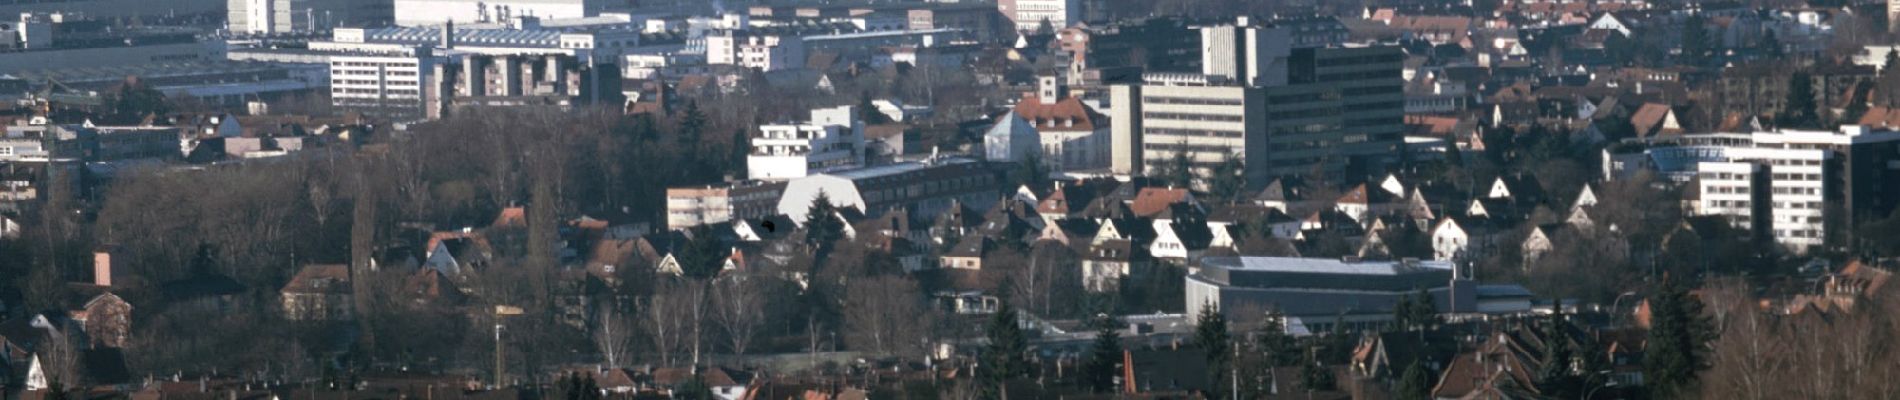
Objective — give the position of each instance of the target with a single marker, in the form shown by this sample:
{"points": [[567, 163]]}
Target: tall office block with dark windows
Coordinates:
{"points": [[1341, 107], [1335, 108]]}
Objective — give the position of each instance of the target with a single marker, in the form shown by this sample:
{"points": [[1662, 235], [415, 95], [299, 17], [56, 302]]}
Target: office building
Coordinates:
{"points": [[1280, 109], [1028, 15], [832, 140], [1791, 187], [1314, 293], [302, 16]]}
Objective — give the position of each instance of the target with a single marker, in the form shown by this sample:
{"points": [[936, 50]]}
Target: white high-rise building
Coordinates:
{"points": [[833, 139], [296, 16]]}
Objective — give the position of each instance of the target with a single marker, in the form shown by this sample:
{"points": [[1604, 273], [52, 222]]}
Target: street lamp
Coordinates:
{"points": [[501, 311]]}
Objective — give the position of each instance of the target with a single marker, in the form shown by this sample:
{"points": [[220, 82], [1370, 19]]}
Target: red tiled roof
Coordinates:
{"points": [[1068, 114], [320, 279], [1154, 200]]}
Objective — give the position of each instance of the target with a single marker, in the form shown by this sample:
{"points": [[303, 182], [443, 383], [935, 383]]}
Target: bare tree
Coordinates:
{"points": [[59, 359], [664, 320], [613, 336], [739, 309], [885, 315]]}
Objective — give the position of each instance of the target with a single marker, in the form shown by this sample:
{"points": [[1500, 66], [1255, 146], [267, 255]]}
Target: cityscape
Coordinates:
{"points": [[949, 199]]}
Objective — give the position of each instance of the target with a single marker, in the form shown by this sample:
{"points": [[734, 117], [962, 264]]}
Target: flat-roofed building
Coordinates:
{"points": [[1323, 290], [924, 188]]}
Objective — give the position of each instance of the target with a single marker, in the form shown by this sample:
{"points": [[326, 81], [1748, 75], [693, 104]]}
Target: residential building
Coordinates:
{"points": [[319, 293], [922, 188], [384, 85], [1028, 15], [1071, 135], [757, 51], [833, 139], [1793, 187], [687, 207]]}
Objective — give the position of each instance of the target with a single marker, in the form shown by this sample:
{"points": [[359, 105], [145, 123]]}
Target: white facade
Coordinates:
{"points": [[437, 12], [1029, 14], [833, 139], [390, 84], [1011, 140], [766, 53]]}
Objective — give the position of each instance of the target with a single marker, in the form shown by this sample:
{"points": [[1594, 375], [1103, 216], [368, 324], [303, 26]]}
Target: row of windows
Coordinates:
{"points": [[1171, 148], [1799, 205], [1193, 132], [372, 64], [1788, 176], [1797, 190], [1198, 101], [1380, 58], [1193, 117]]}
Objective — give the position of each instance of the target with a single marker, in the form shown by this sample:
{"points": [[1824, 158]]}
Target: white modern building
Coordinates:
{"points": [[833, 139], [762, 52], [389, 85], [437, 12], [1791, 186], [299, 16], [1028, 15]]}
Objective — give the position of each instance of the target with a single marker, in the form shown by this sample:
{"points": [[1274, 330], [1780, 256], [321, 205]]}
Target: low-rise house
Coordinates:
{"points": [[319, 293]]}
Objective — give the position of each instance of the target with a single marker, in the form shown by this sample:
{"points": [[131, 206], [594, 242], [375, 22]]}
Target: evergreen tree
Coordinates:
{"points": [[1423, 313], [703, 256], [1105, 358], [1678, 338], [1314, 376], [1210, 335], [1414, 384], [1273, 342], [1178, 171], [1799, 109], [1554, 376], [1229, 183], [822, 227], [1006, 356], [1402, 313], [692, 124]]}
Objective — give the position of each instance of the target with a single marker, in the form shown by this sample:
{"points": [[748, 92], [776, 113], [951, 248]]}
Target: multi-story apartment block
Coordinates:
{"points": [[1793, 187], [833, 139], [687, 207], [385, 85], [762, 52]]}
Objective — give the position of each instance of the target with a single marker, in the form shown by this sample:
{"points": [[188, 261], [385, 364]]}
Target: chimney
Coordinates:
{"points": [[448, 35], [102, 268]]}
